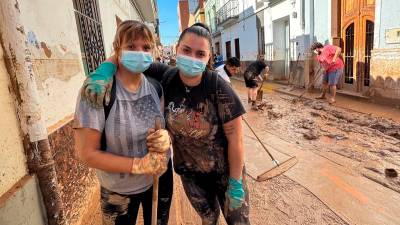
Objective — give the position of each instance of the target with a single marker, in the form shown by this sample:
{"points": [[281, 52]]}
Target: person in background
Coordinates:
{"points": [[329, 58], [254, 74], [218, 61], [230, 68]]}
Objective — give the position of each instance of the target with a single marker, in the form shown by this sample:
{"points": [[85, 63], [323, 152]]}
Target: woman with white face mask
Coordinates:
{"points": [[119, 139], [203, 116]]}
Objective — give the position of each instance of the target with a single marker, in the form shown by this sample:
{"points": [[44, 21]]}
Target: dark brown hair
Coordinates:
{"points": [[316, 45], [200, 30]]}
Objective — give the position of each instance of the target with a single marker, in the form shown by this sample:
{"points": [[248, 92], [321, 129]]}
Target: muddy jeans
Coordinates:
{"points": [[121, 209], [206, 194]]}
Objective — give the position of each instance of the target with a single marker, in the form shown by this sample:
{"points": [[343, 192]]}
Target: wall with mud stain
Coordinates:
{"points": [[78, 183], [385, 73], [52, 37], [13, 161]]}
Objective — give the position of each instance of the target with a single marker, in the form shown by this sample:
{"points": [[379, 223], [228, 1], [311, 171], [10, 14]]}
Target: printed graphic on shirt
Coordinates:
{"points": [[195, 120]]}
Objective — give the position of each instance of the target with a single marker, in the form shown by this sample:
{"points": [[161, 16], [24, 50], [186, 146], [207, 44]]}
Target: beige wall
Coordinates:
{"points": [[53, 39], [385, 73], [12, 157], [26, 199]]}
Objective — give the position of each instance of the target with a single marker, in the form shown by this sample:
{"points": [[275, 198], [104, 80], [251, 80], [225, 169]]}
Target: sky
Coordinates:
{"points": [[169, 28]]}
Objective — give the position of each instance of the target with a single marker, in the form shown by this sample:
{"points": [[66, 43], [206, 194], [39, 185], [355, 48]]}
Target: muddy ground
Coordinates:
{"points": [[314, 125], [371, 144]]}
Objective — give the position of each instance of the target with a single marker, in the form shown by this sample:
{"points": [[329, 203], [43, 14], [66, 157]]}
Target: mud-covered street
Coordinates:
{"points": [[340, 177]]}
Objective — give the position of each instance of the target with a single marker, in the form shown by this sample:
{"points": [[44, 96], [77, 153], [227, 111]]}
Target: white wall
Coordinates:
{"points": [[109, 9], [246, 31], [53, 39]]}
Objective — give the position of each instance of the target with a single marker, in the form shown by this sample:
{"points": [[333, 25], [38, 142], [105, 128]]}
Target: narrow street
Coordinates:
{"points": [[342, 155]]}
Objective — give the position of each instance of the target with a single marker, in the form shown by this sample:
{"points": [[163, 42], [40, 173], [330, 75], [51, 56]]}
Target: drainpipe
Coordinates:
{"points": [[19, 66], [311, 22]]}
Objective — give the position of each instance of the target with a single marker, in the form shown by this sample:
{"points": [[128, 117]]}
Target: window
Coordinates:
{"points": [[237, 48], [90, 33], [228, 49], [349, 54], [369, 44]]}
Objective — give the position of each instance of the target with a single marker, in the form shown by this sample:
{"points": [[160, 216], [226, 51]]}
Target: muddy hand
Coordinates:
{"points": [[153, 163], [158, 141], [235, 195], [97, 85]]}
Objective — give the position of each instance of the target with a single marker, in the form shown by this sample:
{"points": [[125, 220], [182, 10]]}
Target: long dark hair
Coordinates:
{"points": [[200, 30]]}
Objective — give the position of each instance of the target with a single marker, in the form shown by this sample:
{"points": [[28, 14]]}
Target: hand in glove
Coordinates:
{"points": [[97, 85], [158, 141], [153, 163], [235, 194]]}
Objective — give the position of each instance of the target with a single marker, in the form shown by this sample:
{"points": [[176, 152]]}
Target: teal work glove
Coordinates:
{"points": [[97, 85], [235, 194]]}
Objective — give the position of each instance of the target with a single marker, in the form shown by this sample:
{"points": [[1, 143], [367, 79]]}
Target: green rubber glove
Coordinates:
{"points": [[97, 85], [235, 194]]}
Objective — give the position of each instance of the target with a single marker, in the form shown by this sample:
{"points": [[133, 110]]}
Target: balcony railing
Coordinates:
{"points": [[228, 12]]}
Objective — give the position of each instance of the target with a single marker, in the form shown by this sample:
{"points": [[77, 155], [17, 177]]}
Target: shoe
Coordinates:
{"points": [[320, 97]]}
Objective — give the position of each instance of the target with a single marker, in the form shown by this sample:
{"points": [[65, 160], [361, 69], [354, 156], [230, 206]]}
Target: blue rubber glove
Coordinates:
{"points": [[235, 194], [97, 85]]}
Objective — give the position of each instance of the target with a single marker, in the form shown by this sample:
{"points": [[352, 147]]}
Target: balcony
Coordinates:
{"points": [[228, 13]]}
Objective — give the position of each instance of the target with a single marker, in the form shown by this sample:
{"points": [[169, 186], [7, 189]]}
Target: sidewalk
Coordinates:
{"points": [[355, 103]]}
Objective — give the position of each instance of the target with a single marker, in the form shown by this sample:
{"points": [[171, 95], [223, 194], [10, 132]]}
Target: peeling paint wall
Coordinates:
{"points": [[53, 39], [13, 161], [385, 74], [385, 57]]}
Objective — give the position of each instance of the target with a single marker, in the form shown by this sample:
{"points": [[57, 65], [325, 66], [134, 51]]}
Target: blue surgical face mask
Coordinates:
{"points": [[190, 66], [136, 61]]}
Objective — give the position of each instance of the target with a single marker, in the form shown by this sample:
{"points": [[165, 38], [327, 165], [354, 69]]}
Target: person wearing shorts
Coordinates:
{"points": [[253, 74], [328, 57]]}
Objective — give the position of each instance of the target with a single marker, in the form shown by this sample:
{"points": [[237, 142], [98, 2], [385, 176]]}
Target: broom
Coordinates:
{"points": [[279, 168]]}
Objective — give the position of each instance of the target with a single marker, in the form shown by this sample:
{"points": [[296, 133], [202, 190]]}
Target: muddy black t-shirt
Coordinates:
{"points": [[195, 118], [254, 69]]}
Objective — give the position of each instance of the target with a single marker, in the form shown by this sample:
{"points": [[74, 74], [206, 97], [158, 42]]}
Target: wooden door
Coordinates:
{"points": [[357, 35]]}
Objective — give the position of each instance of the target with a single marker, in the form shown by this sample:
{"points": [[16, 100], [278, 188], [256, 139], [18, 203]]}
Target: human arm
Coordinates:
{"points": [[87, 148], [234, 133], [338, 51], [230, 112]]}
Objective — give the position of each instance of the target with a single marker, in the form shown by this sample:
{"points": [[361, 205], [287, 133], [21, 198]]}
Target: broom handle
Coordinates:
{"points": [[265, 148], [155, 184], [317, 75]]}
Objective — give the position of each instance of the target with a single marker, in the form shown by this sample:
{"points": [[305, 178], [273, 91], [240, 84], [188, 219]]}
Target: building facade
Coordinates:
{"points": [[199, 14], [234, 28], [183, 14], [284, 30], [46, 51]]}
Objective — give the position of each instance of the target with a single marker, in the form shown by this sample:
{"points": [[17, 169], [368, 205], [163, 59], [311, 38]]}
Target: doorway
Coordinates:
{"points": [[281, 48], [357, 26]]}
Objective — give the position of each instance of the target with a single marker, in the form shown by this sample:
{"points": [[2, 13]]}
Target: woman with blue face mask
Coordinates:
{"points": [[119, 139], [203, 116]]}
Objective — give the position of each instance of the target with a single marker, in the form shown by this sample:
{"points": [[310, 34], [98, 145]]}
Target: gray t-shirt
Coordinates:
{"points": [[131, 115]]}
